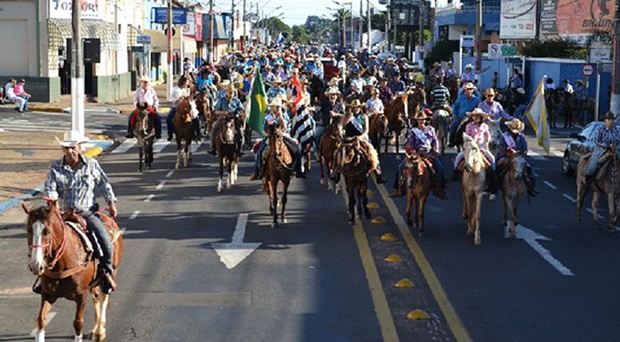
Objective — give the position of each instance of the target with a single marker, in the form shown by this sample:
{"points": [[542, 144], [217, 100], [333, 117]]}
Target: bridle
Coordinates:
{"points": [[49, 251]]}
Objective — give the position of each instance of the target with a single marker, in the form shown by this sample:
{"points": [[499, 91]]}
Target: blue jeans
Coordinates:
{"points": [[25, 102], [170, 123], [318, 133], [453, 127], [94, 224]]}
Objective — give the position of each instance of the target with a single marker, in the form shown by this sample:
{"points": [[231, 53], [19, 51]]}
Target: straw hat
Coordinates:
{"points": [[356, 103], [276, 102], [436, 64], [478, 111], [469, 85], [333, 90], [609, 115], [278, 80], [489, 91], [145, 79], [516, 126], [333, 82], [420, 115], [72, 138]]}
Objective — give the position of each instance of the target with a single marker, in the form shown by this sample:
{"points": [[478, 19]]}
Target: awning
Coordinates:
{"points": [[159, 42], [61, 29], [132, 33]]}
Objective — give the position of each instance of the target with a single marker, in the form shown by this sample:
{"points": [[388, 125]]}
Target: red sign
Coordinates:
{"points": [[587, 70]]}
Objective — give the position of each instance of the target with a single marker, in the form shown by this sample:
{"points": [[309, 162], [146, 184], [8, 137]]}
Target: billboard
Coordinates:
{"points": [[575, 19], [518, 19]]}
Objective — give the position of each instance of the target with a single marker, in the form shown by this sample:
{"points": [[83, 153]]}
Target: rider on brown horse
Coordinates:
{"points": [[514, 142], [606, 137], [227, 105], [423, 140], [179, 91], [145, 95], [275, 117]]}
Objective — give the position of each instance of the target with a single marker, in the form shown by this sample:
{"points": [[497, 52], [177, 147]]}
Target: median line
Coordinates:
{"points": [[452, 318]]}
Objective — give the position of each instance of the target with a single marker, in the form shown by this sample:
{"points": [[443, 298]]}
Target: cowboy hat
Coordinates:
{"points": [[332, 90], [224, 84], [567, 81], [420, 115], [333, 82], [516, 126], [278, 79], [469, 85], [477, 111], [145, 79], [436, 64], [72, 138], [580, 82], [489, 91], [276, 102], [609, 115], [469, 66], [521, 90], [355, 103]]}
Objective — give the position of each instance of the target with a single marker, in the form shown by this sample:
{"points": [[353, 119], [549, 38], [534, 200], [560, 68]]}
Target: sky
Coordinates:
{"points": [[295, 12]]}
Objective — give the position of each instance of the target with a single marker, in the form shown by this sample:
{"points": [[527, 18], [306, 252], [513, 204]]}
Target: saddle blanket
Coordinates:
{"points": [[303, 128]]}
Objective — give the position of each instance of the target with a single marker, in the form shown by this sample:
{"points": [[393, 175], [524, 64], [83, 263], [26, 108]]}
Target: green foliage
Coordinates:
{"points": [[442, 51], [299, 34], [557, 47], [274, 25]]}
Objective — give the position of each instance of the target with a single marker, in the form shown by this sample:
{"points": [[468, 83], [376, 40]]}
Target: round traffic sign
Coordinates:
{"points": [[587, 70]]}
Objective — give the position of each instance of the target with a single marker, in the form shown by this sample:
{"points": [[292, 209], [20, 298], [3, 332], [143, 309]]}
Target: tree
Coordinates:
{"points": [[299, 34], [274, 25]]}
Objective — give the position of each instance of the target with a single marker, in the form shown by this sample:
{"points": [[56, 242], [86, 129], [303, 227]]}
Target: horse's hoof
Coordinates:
{"points": [[410, 223], [274, 225], [421, 233], [98, 337], [219, 189], [322, 181], [351, 222], [477, 242], [284, 220]]}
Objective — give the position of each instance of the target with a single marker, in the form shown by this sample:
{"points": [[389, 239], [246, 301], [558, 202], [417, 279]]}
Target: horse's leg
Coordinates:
{"points": [[420, 213], [78, 320], [140, 156], [100, 335], [274, 193], [179, 157], [595, 208], [41, 321], [408, 207], [476, 221], [396, 144], [220, 173], [322, 179], [359, 194], [470, 205], [511, 217], [581, 192], [367, 214], [351, 193], [150, 154], [229, 180], [285, 185], [96, 297], [188, 152]]}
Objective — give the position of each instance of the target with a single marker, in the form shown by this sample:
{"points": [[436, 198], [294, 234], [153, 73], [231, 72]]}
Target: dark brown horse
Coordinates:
{"points": [[144, 132], [67, 269], [416, 99], [397, 111], [452, 83], [353, 164], [418, 180], [203, 104], [552, 102], [228, 152], [278, 168], [377, 131], [184, 129], [329, 143], [568, 103]]}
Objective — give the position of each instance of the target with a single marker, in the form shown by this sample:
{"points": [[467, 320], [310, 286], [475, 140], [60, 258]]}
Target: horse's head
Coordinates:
{"points": [[472, 155], [41, 225], [186, 110], [381, 123], [517, 165], [227, 134]]}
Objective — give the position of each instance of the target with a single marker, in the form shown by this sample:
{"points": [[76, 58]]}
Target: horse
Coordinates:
{"points": [[568, 103], [552, 102], [441, 123], [184, 129], [452, 83], [144, 132], [278, 167], [203, 104], [506, 98], [228, 152], [472, 185], [512, 185], [418, 178], [396, 112], [329, 143], [377, 131], [416, 99], [496, 135], [66, 267], [605, 182], [353, 164], [585, 107]]}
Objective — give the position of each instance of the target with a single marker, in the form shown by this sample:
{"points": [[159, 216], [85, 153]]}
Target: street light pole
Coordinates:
{"points": [[478, 35], [359, 24], [211, 20], [77, 69], [170, 71], [614, 105], [369, 16]]}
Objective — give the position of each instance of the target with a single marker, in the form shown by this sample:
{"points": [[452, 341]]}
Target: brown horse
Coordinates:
{"points": [[228, 152], [416, 99], [606, 182], [512, 185], [144, 132], [184, 129], [472, 185], [552, 102], [329, 143], [568, 103], [397, 112], [278, 168], [418, 182], [67, 269], [452, 83], [353, 164], [203, 104], [377, 131]]}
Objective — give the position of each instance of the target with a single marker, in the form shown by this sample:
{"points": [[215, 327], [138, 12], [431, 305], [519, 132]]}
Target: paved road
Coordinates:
{"points": [[95, 121], [318, 278]]}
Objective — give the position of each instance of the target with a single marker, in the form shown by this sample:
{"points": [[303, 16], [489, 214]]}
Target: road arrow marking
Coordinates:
{"points": [[233, 253], [530, 237]]}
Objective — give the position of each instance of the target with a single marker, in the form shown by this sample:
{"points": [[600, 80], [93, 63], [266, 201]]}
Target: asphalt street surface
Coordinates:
{"points": [[317, 278]]}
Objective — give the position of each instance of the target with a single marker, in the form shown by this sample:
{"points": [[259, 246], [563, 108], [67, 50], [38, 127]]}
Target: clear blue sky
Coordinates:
{"points": [[294, 11]]}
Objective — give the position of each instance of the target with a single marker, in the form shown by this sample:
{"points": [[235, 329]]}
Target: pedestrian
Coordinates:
{"points": [[74, 181]]}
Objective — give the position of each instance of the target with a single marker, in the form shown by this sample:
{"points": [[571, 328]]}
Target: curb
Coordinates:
{"points": [[45, 109]]}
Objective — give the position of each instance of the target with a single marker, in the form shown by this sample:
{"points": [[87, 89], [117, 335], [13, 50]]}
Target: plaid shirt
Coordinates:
{"points": [[233, 105], [605, 137], [78, 189]]}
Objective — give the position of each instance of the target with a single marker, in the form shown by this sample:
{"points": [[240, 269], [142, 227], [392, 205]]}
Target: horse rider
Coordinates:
{"points": [[549, 85], [580, 93], [355, 124], [178, 92], [450, 72], [331, 106], [607, 136], [423, 141], [440, 96], [418, 76], [479, 131], [435, 73], [275, 89], [493, 108], [75, 181], [385, 94], [227, 105], [145, 95], [374, 105], [470, 74], [396, 85], [276, 117], [463, 104], [356, 84], [514, 142], [516, 81], [568, 88]]}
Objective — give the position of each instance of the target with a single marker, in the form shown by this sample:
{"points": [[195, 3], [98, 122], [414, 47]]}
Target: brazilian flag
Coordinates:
{"points": [[258, 104]]}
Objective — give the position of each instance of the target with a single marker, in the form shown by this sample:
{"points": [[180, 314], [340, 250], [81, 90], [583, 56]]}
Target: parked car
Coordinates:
{"points": [[581, 144]]}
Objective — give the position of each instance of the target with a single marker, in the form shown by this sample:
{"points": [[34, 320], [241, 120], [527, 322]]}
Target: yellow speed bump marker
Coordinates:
{"points": [[368, 193], [388, 237], [418, 315], [404, 284], [102, 137], [378, 220], [372, 205], [394, 258]]}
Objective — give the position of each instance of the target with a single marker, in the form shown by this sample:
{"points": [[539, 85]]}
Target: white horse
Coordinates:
{"points": [[472, 185], [512, 186]]}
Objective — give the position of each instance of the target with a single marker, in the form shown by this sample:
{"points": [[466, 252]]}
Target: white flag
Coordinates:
{"points": [[537, 115]]}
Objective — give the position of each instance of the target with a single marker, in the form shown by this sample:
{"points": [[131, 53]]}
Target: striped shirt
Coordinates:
{"points": [[78, 189], [440, 96]]}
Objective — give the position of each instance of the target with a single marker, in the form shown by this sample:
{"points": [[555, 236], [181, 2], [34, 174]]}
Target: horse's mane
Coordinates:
{"points": [[40, 213]]}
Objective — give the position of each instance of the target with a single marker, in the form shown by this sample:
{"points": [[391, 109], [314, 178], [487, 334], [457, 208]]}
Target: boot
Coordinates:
{"points": [[379, 178], [491, 183], [298, 172], [129, 132], [438, 190], [531, 190], [108, 284], [254, 176]]}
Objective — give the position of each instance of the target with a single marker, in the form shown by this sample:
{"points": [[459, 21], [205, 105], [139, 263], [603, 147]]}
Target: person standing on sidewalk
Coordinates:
{"points": [[74, 181], [145, 95]]}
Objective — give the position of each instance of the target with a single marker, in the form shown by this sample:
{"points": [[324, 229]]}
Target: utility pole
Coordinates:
{"points": [[614, 105], [421, 34], [344, 28], [244, 29], [359, 24], [352, 28], [369, 15], [211, 20], [478, 45], [169, 78], [77, 70], [232, 25], [387, 29]]}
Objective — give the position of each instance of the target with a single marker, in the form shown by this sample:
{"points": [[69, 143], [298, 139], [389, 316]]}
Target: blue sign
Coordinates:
{"points": [[179, 16], [143, 39]]}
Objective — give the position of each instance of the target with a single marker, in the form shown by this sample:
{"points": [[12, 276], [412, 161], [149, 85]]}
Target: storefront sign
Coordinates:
{"points": [[62, 9]]}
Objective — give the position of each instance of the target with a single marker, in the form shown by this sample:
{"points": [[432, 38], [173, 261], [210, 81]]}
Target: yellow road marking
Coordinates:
{"points": [[453, 319]]}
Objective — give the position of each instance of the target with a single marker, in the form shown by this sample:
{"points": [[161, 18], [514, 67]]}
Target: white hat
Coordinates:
{"points": [[276, 102], [469, 66], [72, 138], [145, 79]]}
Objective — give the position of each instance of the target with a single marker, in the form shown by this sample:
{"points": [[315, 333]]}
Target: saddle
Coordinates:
{"points": [[443, 107]]}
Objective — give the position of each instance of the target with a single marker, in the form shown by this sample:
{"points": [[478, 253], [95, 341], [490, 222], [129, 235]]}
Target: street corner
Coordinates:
{"points": [[45, 108], [97, 146]]}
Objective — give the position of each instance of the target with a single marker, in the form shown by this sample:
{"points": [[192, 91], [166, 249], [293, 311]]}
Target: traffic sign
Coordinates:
{"points": [[587, 70], [179, 15], [143, 39]]}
